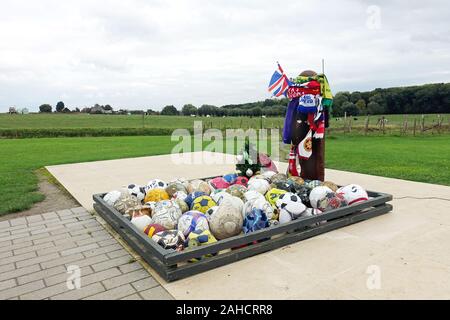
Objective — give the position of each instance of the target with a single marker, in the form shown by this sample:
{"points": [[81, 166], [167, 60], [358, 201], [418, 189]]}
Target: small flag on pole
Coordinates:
{"points": [[279, 83]]}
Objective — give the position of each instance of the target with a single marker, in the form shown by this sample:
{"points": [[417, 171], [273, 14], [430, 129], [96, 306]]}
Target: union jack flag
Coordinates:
{"points": [[279, 83]]}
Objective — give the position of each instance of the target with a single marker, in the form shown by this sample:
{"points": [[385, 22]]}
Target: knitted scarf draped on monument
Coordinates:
{"points": [[310, 101]]}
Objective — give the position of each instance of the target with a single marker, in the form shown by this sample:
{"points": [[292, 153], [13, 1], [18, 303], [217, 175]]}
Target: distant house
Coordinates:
{"points": [[12, 110], [97, 109]]}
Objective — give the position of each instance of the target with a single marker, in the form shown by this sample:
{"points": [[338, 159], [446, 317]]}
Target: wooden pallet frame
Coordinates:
{"points": [[172, 265]]}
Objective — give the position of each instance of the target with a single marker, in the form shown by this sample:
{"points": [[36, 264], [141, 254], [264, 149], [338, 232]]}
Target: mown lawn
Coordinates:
{"points": [[421, 158], [425, 159]]}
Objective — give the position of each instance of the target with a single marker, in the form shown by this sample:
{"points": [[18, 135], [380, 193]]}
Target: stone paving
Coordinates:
{"points": [[36, 252]]}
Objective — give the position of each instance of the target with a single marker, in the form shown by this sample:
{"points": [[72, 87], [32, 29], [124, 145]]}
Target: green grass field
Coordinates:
{"points": [[68, 121], [74, 121], [425, 159]]}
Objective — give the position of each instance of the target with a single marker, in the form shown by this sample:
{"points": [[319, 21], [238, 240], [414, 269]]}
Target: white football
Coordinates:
{"points": [[259, 185], [180, 195], [290, 204], [137, 191], [218, 197], [155, 183], [111, 197], [318, 194], [353, 193], [264, 206], [141, 222], [252, 196]]}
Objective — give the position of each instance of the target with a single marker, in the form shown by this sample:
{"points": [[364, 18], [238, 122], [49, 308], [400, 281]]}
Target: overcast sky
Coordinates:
{"points": [[148, 54]]}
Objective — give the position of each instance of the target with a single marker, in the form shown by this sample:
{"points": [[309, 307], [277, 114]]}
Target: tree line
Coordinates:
{"points": [[427, 98]]}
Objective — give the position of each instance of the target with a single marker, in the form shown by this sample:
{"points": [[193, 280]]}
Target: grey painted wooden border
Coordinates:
{"points": [[172, 265]]}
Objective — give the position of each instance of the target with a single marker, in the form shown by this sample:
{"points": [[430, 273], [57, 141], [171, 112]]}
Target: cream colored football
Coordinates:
{"points": [[141, 222], [226, 221]]}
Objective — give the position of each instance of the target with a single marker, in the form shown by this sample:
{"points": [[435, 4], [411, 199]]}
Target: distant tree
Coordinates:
{"points": [[60, 106], [136, 111], [339, 99], [107, 107], [207, 109], [355, 96], [374, 108], [12, 110], [257, 112], [350, 108], [189, 109], [66, 110], [152, 112], [86, 110], [45, 108], [169, 111], [361, 105]]}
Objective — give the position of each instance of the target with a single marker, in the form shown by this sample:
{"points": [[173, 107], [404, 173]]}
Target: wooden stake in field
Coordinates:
{"points": [[366, 125], [345, 121], [439, 123], [422, 126], [405, 125], [414, 128]]}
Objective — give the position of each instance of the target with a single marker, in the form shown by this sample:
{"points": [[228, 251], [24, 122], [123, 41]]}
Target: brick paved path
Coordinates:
{"points": [[35, 252]]}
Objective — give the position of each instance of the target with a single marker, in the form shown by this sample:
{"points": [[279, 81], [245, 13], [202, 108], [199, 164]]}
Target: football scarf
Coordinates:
{"points": [[324, 86], [311, 87], [292, 165], [305, 146]]}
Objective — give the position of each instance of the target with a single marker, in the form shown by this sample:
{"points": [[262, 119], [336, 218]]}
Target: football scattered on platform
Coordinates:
{"points": [[353, 193], [203, 203], [226, 221], [141, 222], [166, 213], [170, 239], [192, 220], [155, 183], [199, 238], [182, 215], [156, 194], [125, 201], [112, 196], [259, 185], [137, 191], [152, 229]]}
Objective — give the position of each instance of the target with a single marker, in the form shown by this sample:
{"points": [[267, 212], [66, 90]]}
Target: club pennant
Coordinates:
{"points": [[305, 146]]}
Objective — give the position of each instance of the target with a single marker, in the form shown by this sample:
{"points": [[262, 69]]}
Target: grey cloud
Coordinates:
{"points": [[153, 53]]}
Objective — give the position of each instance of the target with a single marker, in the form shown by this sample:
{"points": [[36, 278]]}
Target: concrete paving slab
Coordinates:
{"points": [[333, 265]]}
